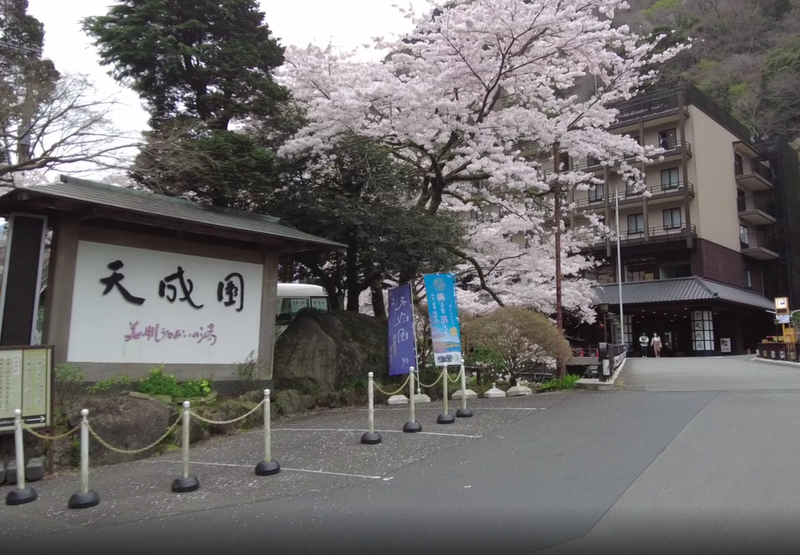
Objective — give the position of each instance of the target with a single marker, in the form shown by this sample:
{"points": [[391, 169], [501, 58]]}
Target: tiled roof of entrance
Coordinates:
{"points": [[688, 289]]}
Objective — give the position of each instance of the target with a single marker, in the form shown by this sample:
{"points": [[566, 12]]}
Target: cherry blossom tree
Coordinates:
{"points": [[475, 98]]}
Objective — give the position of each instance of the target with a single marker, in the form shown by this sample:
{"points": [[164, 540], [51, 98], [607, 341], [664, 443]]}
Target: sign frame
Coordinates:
{"points": [[46, 420], [781, 305]]}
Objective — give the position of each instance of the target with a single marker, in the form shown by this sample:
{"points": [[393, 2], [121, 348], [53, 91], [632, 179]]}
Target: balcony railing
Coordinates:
{"points": [[671, 148], [656, 191], [742, 167], [660, 234], [648, 106], [763, 201]]}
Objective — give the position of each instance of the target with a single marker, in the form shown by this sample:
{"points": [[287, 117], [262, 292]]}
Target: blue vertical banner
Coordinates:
{"points": [[440, 289], [402, 340]]}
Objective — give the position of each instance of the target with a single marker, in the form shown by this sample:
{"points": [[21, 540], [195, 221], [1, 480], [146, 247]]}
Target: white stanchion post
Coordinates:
{"points": [[22, 494], [464, 412], [412, 426], [85, 498], [267, 467], [445, 417], [371, 437], [186, 483]]}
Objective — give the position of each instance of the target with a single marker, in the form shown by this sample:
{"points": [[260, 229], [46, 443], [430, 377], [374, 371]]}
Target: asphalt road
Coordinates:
{"points": [[631, 471]]}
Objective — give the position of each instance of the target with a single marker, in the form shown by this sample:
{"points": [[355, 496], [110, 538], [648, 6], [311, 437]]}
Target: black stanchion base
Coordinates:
{"points": [[185, 485], [371, 438], [412, 427], [21, 496], [83, 500], [464, 413], [446, 419], [265, 468]]}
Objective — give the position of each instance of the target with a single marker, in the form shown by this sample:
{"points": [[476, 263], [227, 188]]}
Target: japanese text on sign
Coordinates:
{"points": [[402, 343]]}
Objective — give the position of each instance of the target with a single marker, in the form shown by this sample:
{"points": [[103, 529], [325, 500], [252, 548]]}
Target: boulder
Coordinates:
{"points": [[288, 401], [350, 398], [124, 423], [309, 402], [254, 396], [231, 409], [323, 351], [329, 401]]}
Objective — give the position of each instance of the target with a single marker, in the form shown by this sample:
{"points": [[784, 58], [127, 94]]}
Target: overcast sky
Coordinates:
{"points": [[348, 23]]}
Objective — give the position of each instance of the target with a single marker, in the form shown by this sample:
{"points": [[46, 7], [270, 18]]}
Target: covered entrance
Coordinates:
{"points": [[692, 316]]}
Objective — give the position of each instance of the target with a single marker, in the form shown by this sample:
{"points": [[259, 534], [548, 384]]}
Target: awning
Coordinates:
{"points": [[679, 290]]}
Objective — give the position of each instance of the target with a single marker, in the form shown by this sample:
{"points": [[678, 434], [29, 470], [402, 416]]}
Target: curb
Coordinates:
{"points": [[594, 384], [783, 362]]}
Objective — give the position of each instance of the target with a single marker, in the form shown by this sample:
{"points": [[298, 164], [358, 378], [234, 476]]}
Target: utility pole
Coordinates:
{"points": [[557, 189]]}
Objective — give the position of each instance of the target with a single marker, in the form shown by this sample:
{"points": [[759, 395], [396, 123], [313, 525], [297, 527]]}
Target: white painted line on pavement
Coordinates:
{"points": [[405, 409], [232, 465], [333, 473], [362, 430]]}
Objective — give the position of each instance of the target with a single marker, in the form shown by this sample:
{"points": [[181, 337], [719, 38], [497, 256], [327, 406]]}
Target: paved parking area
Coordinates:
{"points": [[730, 373], [317, 452]]}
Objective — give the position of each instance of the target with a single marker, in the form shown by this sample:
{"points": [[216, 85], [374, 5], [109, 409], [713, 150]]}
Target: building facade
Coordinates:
{"points": [[710, 244]]}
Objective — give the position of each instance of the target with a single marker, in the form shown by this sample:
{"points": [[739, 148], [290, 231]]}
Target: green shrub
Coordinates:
{"points": [[159, 383], [105, 385], [567, 382], [68, 385]]}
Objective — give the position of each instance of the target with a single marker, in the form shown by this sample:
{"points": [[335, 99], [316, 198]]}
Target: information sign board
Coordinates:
{"points": [[26, 379]]}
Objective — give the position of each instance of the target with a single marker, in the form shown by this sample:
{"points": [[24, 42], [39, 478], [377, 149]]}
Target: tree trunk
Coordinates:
{"points": [[351, 274], [378, 304]]}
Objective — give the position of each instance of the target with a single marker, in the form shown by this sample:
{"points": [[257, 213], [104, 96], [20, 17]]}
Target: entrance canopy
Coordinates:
{"points": [[680, 290]]}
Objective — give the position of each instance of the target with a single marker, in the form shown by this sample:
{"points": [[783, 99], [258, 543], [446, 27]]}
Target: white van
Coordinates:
{"points": [[294, 297]]}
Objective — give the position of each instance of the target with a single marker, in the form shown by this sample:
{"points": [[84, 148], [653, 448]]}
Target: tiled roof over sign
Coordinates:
{"points": [[151, 204], [689, 289]]}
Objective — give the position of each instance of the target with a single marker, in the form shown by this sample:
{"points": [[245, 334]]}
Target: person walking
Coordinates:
{"points": [[656, 345], [644, 342]]}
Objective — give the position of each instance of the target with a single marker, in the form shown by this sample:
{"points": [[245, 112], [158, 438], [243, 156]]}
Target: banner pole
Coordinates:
{"points": [[445, 417], [412, 426]]}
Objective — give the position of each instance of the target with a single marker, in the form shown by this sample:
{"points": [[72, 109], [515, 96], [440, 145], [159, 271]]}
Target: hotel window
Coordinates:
{"points": [[672, 218], [670, 179], [635, 224], [666, 139], [744, 239], [597, 193]]}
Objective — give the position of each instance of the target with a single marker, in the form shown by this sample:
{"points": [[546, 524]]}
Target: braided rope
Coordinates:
{"points": [[110, 447], [224, 422], [434, 383], [402, 387], [457, 377], [50, 438]]}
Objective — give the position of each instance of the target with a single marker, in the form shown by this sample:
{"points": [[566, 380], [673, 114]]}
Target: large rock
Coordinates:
{"points": [[289, 401], [323, 351], [125, 423]]}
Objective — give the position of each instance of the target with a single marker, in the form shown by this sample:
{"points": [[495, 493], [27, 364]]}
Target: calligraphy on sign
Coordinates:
{"points": [[440, 291], [402, 343], [134, 305]]}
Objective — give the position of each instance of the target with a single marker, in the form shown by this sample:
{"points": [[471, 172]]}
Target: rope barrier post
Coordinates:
{"points": [[21, 495], [185, 483], [84, 498], [267, 467], [412, 426], [371, 437], [445, 417], [464, 412]]}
